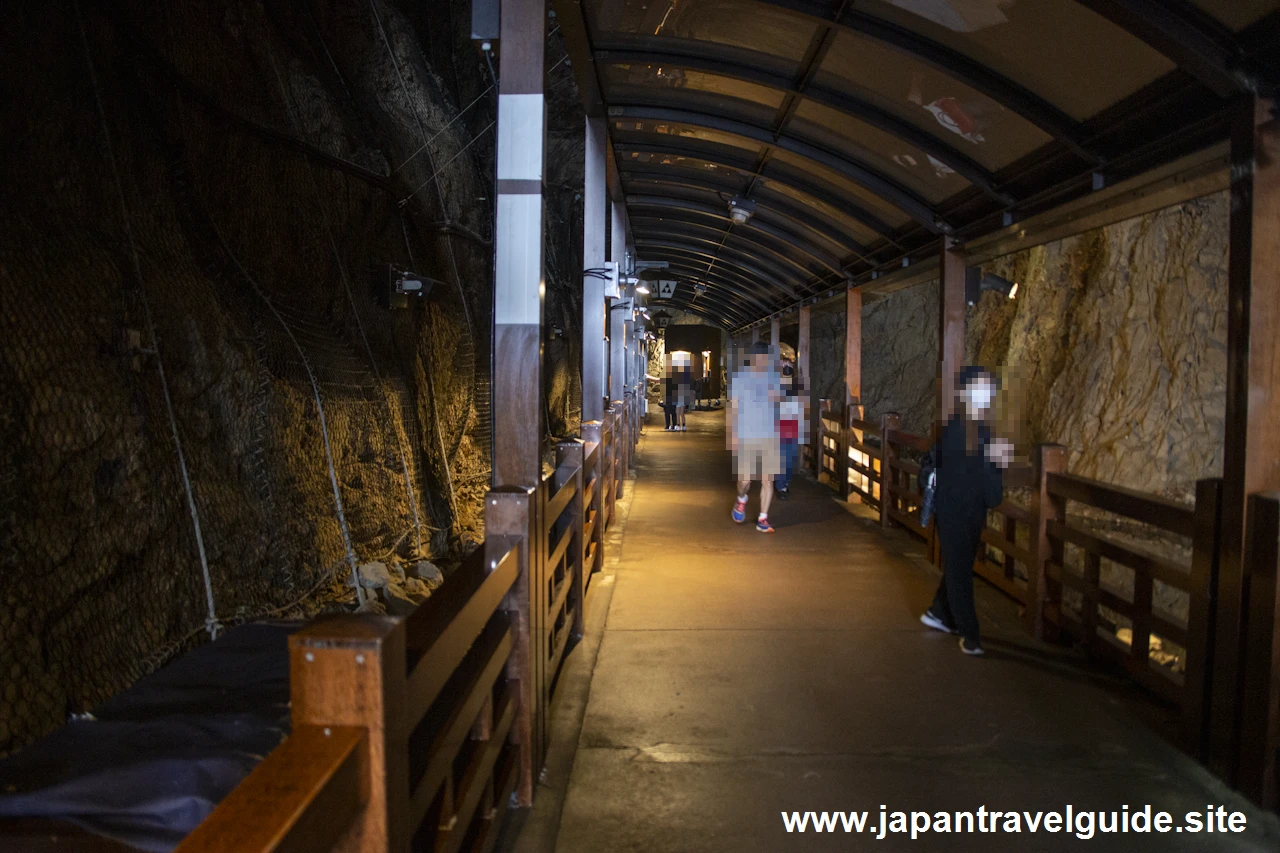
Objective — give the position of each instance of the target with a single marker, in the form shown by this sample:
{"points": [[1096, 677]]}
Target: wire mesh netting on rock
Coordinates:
{"points": [[210, 415]]}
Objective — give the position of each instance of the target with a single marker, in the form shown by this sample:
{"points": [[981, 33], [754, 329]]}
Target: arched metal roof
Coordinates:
{"points": [[863, 130]]}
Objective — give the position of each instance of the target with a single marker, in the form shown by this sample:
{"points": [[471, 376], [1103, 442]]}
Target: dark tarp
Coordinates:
{"points": [[155, 760]]}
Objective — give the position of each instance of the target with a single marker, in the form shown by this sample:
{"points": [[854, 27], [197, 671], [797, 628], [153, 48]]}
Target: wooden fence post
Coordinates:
{"points": [[1259, 703], [569, 454], [351, 671], [512, 511], [889, 421], [820, 438], [1200, 617], [1047, 459], [851, 410]]}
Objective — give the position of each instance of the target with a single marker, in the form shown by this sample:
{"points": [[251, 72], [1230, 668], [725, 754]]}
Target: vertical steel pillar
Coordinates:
{"points": [[617, 329], [518, 283], [511, 507], [595, 215]]}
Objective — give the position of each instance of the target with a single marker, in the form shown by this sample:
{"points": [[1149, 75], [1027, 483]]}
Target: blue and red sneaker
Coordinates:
{"points": [[740, 510], [762, 524]]}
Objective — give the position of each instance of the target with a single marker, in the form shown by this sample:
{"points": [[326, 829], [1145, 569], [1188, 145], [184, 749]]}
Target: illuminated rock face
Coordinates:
{"points": [[1117, 338], [1116, 342], [1120, 336]]}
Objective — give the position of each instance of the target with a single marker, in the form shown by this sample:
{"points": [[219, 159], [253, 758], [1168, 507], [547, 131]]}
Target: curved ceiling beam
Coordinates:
{"points": [[707, 306], [881, 185], [1004, 91], [705, 212], [692, 179], [699, 306], [691, 226], [768, 219], [757, 269], [727, 254], [711, 60], [691, 182], [692, 270], [764, 281], [713, 241], [822, 230], [722, 298], [691, 308], [731, 158]]}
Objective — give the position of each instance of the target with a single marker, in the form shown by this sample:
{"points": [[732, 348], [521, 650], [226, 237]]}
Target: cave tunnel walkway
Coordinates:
{"points": [[741, 675]]}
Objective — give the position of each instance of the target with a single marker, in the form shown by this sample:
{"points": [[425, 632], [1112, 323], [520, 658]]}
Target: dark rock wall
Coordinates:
{"points": [[227, 309]]}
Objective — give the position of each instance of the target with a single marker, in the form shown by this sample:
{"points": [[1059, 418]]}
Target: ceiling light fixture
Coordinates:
{"points": [[741, 209], [641, 289]]}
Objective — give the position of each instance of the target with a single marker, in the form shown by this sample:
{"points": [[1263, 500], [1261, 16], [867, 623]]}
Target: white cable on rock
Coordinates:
{"points": [[453, 260], [211, 621], [346, 284], [315, 389]]}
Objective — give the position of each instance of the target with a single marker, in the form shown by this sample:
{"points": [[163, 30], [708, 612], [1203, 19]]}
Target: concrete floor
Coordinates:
{"points": [[741, 675]]}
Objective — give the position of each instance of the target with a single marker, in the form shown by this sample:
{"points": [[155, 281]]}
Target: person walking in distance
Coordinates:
{"points": [[969, 462], [670, 394], [684, 398], [755, 390], [790, 410]]}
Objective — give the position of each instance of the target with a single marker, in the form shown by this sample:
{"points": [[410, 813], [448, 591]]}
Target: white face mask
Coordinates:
{"points": [[979, 397]]}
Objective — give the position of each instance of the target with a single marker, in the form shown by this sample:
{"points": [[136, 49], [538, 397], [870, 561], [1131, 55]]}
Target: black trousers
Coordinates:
{"points": [[669, 414], [958, 540]]}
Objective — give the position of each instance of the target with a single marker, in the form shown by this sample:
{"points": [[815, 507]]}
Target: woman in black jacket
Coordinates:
{"points": [[968, 462]]}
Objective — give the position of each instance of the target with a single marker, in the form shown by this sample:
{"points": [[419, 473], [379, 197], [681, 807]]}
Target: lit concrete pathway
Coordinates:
{"points": [[742, 675]]}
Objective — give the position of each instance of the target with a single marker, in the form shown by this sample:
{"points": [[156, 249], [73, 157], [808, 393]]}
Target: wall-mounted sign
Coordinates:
{"points": [[666, 289]]}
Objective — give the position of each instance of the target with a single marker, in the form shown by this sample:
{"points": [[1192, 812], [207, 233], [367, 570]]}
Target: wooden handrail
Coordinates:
{"points": [[1129, 556], [906, 439], [557, 503], [865, 426], [1148, 509], [473, 682], [455, 627], [303, 797]]}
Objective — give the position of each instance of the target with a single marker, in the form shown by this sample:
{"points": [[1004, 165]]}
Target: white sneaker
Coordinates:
{"points": [[935, 623]]}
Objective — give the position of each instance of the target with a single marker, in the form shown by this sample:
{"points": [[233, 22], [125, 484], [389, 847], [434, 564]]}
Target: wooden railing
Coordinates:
{"points": [[399, 726], [1024, 546], [1098, 619], [418, 732]]}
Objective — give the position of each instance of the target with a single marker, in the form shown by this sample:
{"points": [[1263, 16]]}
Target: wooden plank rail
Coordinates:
{"points": [[1149, 509], [1188, 689], [304, 796], [401, 728]]}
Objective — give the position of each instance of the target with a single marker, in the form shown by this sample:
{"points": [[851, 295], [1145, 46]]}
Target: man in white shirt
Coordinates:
{"points": [[755, 391]]}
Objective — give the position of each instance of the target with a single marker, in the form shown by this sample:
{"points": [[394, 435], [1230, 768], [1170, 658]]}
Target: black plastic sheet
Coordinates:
{"points": [[155, 760]]}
